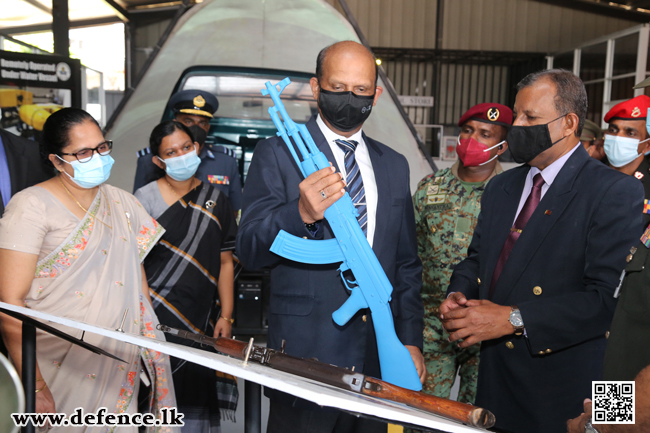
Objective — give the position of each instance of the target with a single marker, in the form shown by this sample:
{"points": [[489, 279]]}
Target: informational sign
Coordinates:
{"points": [[33, 86], [448, 148], [36, 70], [416, 101]]}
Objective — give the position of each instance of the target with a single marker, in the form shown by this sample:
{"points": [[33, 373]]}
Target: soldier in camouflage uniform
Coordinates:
{"points": [[447, 204]]}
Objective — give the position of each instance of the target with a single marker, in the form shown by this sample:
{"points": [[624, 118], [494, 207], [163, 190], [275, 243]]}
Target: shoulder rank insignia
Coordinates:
{"points": [[223, 149], [143, 152], [638, 175], [218, 180], [645, 239], [646, 206]]}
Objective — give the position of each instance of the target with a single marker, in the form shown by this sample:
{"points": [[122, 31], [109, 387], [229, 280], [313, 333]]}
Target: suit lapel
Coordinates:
{"points": [[17, 164], [324, 147], [508, 201], [321, 142], [384, 196], [555, 201]]}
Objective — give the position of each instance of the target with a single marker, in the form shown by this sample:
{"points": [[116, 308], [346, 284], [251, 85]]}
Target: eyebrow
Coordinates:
{"points": [[173, 146]]}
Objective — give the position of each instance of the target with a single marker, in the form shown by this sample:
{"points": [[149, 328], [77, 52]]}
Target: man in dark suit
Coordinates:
{"points": [[549, 247], [303, 297], [20, 166]]}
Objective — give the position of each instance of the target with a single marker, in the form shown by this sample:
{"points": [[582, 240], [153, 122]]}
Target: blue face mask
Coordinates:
{"points": [[621, 151], [182, 167], [92, 173]]}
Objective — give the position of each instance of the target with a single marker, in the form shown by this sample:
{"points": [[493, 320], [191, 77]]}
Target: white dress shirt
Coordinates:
{"points": [[548, 174], [365, 167]]}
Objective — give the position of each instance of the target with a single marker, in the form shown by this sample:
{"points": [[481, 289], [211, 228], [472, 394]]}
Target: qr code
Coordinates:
{"points": [[613, 402]]}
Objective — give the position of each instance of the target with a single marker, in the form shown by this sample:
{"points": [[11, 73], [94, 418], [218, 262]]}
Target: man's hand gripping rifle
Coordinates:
{"points": [[369, 286]]}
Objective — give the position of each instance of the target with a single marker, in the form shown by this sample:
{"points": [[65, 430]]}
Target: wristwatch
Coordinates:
{"points": [[590, 428], [515, 320]]}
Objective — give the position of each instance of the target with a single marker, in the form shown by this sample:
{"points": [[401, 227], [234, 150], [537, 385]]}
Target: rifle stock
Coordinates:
{"points": [[344, 379]]}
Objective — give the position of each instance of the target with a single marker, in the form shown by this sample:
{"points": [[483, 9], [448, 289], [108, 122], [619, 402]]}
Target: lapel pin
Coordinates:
{"points": [[548, 212], [210, 204]]}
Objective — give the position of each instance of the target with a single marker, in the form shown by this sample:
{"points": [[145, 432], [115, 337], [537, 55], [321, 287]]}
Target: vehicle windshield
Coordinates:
{"points": [[240, 96]]}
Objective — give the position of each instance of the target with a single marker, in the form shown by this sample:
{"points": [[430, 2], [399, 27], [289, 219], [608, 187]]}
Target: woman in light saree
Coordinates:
{"points": [[72, 247]]}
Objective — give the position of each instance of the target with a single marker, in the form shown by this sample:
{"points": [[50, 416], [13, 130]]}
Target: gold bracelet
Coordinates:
{"points": [[38, 390], [228, 320]]}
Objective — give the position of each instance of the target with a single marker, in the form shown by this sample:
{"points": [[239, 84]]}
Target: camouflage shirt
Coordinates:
{"points": [[446, 213]]}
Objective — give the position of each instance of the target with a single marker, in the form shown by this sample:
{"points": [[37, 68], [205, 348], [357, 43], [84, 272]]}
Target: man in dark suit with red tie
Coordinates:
{"points": [[538, 283]]}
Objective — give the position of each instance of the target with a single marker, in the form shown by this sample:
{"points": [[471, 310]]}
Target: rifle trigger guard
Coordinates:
{"points": [[348, 279]]}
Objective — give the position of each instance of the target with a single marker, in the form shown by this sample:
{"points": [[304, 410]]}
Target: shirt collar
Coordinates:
{"points": [[550, 173], [331, 136]]}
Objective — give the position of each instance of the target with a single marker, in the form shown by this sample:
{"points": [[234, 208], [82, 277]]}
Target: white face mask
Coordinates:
{"points": [[621, 151], [92, 173], [182, 167]]}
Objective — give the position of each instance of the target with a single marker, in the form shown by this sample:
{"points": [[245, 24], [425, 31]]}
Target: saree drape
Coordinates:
{"points": [[183, 274]]}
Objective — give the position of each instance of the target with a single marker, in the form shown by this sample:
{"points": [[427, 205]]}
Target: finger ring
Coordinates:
{"points": [[322, 194]]}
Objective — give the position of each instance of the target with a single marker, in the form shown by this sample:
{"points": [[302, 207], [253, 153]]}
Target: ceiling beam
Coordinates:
{"points": [[119, 8], [48, 26], [39, 5], [601, 8]]}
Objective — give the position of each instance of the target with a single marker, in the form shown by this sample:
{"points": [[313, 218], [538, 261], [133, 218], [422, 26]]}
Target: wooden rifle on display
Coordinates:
{"points": [[341, 378]]}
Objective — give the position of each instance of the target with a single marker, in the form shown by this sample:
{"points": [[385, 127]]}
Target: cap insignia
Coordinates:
{"points": [[493, 114], [199, 101], [636, 112]]}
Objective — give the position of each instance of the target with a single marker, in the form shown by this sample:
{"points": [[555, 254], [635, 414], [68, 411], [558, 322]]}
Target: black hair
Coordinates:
{"points": [[320, 59], [570, 94], [56, 131], [164, 129]]}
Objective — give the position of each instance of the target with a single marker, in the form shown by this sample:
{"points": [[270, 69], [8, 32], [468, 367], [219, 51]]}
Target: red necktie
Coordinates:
{"points": [[529, 207]]}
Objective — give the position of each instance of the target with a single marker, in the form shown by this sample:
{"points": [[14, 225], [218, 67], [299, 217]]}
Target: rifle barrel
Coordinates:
{"points": [[345, 379]]}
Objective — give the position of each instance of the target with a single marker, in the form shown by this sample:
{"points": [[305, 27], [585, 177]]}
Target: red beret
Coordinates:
{"points": [[488, 112], [632, 109]]}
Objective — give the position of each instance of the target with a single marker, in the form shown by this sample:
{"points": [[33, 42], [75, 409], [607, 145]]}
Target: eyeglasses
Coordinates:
{"points": [[85, 155]]}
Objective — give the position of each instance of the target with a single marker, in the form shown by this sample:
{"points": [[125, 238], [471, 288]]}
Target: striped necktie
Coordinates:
{"points": [[355, 182]]}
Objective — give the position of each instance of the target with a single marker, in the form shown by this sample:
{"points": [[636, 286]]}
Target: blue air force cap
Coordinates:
{"points": [[197, 102]]}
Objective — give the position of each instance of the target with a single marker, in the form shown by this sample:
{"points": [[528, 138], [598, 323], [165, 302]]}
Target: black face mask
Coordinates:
{"points": [[526, 142], [198, 134], [345, 111]]}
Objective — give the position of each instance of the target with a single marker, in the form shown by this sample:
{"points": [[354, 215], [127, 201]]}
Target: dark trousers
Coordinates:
{"points": [[284, 418]]}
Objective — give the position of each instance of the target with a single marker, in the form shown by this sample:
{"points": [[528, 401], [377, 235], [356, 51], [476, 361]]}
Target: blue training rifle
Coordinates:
{"points": [[370, 287]]}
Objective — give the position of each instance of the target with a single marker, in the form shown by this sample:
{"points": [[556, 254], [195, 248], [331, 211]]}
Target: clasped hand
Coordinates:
{"points": [[312, 204], [473, 321]]}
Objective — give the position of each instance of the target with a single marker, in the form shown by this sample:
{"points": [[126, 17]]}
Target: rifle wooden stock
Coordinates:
{"points": [[345, 379], [466, 413]]}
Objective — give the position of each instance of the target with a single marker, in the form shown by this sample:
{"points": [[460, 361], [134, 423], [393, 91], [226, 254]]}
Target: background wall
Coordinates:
{"points": [[494, 25]]}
